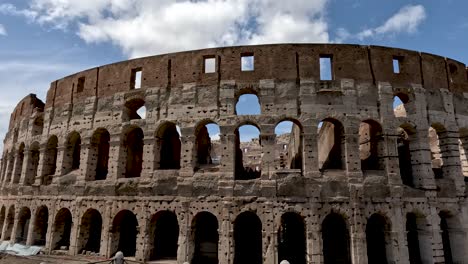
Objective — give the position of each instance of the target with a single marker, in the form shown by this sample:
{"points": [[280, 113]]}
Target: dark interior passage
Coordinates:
{"points": [[23, 225], [101, 144], [40, 226], [170, 147], [291, 239], [375, 237], [125, 228], [413, 239], [62, 229], [248, 239], [335, 237], [90, 231], [165, 236], [404, 158], [134, 146], [444, 227], [205, 231]]}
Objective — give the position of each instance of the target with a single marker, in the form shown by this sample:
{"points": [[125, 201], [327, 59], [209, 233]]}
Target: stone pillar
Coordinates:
{"points": [[76, 219], [148, 165], [268, 184], [50, 228], [38, 179], [310, 152], [314, 238], [450, 151], [26, 171], [106, 235], [87, 161], [358, 241], [225, 235], [17, 168], [228, 158], [186, 248], [398, 235], [423, 177], [11, 160], [352, 160], [187, 140], [117, 158], [140, 239], [61, 160], [269, 235], [15, 225], [32, 221]]}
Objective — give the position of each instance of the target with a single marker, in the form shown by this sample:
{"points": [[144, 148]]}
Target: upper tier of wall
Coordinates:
{"points": [[279, 62]]}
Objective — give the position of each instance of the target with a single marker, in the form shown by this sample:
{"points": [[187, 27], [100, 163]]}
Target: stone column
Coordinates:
{"points": [[310, 152], [148, 165], [314, 245], [268, 184], [140, 239], [398, 235], [50, 228], [61, 159], [450, 151], [423, 177], [228, 154], [76, 219], [43, 159], [225, 235], [27, 167], [11, 160], [17, 168], [358, 241], [185, 250], [269, 235], [32, 221], [117, 158], [15, 225], [87, 161], [106, 235], [352, 160]]}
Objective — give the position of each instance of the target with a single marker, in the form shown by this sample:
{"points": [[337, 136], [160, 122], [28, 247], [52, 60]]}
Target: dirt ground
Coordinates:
{"points": [[42, 259]]}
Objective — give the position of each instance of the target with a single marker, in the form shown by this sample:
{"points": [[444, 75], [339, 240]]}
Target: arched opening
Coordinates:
{"points": [[62, 230], [134, 148], [10, 166], [463, 146], [164, 236], [38, 126], [207, 146], [90, 232], [248, 159], [34, 153], [399, 102], [453, 240], [23, 225], [40, 226], [248, 239], [405, 139], [4, 165], [335, 238], [72, 153], [19, 164], [289, 147], [437, 139], [370, 145], [412, 237], [419, 239], [206, 237], [168, 140], [9, 222], [378, 241], [50, 160], [2, 218], [100, 147], [134, 109], [124, 232], [445, 233], [292, 239], [331, 144], [248, 104]]}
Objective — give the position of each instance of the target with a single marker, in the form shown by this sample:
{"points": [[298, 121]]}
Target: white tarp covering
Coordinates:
{"points": [[18, 249]]}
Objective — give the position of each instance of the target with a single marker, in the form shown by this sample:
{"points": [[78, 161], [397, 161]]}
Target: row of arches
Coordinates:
{"points": [[163, 233], [249, 150]]}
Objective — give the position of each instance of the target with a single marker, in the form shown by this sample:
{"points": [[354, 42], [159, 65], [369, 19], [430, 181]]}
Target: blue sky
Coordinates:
{"points": [[43, 40]]}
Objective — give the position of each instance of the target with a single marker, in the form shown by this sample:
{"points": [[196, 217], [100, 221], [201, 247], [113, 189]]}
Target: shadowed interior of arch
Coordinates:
{"points": [[248, 160], [289, 146], [208, 147]]}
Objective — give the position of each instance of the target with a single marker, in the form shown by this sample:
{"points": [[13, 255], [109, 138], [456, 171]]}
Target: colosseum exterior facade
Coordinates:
{"points": [[83, 172]]}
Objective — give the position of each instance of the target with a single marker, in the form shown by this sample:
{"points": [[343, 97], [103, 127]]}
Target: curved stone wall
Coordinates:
{"points": [[366, 180]]}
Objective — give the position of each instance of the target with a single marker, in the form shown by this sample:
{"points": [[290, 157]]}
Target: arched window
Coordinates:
{"points": [[405, 141], [134, 148], [22, 226], [289, 147], [71, 160], [335, 237], [205, 238], [19, 164], [9, 222], [134, 109], [331, 144], [292, 239], [370, 145], [248, 239], [40, 226], [379, 242], [38, 126], [50, 160], [100, 147], [248, 104], [62, 229], [124, 232], [164, 236], [437, 139], [89, 237], [248, 153], [207, 145], [399, 102], [168, 141], [34, 155]]}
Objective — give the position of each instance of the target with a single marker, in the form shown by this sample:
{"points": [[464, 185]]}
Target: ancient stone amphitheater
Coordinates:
{"points": [[358, 182]]}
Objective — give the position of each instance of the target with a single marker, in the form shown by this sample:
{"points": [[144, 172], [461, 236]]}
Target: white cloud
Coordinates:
{"points": [[406, 20], [144, 27], [3, 31]]}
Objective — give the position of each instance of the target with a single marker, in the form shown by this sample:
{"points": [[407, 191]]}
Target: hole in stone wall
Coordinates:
{"points": [[90, 231], [248, 159], [335, 237], [134, 147], [22, 226], [168, 139], [378, 242], [206, 237], [330, 144], [404, 157], [396, 64], [134, 109], [38, 126], [124, 227], [209, 65], [399, 109], [292, 239], [288, 145], [72, 153], [40, 226], [247, 239], [80, 84], [164, 230], [62, 230], [247, 62], [208, 146], [135, 82], [101, 146], [248, 104], [370, 145], [326, 68], [436, 140], [50, 160]]}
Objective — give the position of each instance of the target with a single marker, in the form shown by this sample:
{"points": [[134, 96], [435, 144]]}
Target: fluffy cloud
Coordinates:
{"points": [[406, 20], [144, 27], [3, 31]]}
